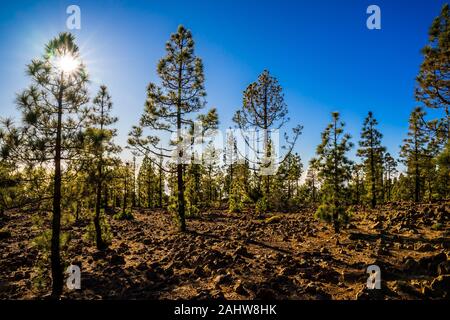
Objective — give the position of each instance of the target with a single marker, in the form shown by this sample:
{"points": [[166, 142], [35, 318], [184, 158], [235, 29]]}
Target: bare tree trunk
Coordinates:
{"points": [[98, 230], [57, 275]]}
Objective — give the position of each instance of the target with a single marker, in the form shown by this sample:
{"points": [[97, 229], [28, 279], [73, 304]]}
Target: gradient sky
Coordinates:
{"points": [[321, 52]]}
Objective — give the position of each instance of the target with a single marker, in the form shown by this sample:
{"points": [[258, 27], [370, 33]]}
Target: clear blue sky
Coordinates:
{"points": [[321, 51]]}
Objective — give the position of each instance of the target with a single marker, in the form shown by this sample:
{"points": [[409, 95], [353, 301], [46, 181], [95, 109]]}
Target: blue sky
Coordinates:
{"points": [[321, 52]]}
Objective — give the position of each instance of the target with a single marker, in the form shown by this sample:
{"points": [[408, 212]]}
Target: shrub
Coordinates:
{"points": [[261, 205], [127, 215], [437, 226], [326, 211]]}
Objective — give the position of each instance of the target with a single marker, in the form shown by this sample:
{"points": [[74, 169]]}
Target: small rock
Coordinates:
{"points": [[423, 247], [410, 264], [223, 279], [441, 285], [377, 225], [142, 266], [117, 259], [443, 268], [242, 251], [4, 234], [265, 294], [239, 289], [369, 294], [151, 275]]}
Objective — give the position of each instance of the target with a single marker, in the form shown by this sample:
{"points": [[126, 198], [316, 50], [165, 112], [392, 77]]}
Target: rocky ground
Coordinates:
{"points": [[241, 256]]}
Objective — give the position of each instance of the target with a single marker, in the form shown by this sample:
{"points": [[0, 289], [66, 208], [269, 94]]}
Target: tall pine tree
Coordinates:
{"points": [[433, 81], [53, 112], [371, 151], [414, 152], [171, 106], [334, 170], [101, 151]]}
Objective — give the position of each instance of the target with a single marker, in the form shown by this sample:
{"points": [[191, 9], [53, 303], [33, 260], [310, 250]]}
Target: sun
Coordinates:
{"points": [[67, 63]]}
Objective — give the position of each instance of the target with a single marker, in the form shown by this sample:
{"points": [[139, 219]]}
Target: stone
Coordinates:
{"points": [[142, 266], [324, 250], [369, 294], [311, 288], [443, 268], [410, 264], [423, 247], [151, 275], [288, 271], [117, 259], [199, 271], [426, 291], [223, 279], [404, 287], [242, 251], [265, 294], [4, 234], [377, 225], [430, 263], [240, 289], [441, 283]]}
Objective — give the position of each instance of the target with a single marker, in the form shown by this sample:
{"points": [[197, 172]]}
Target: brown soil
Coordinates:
{"points": [[243, 256]]}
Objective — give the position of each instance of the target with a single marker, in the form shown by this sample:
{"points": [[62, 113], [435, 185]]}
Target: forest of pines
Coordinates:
{"points": [[157, 224]]}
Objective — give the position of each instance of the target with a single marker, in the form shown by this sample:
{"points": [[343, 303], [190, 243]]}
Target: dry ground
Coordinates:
{"points": [[242, 256]]}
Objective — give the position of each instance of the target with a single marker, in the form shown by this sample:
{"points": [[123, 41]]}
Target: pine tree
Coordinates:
{"points": [[371, 151], [194, 188], [133, 183], [230, 158], [390, 169], [443, 172], [414, 152], [171, 106], [288, 175], [264, 108], [433, 81], [312, 181], [101, 151], [53, 112], [210, 159], [357, 182], [147, 180], [334, 170]]}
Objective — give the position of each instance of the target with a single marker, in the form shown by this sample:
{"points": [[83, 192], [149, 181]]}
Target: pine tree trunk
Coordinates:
{"points": [[125, 195], [180, 182], [181, 197], [149, 192], [372, 170], [336, 185], [416, 171], [448, 124], [77, 211], [57, 275], [160, 188], [98, 203], [105, 200], [98, 229]]}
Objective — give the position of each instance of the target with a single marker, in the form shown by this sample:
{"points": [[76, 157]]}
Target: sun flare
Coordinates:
{"points": [[67, 63]]}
